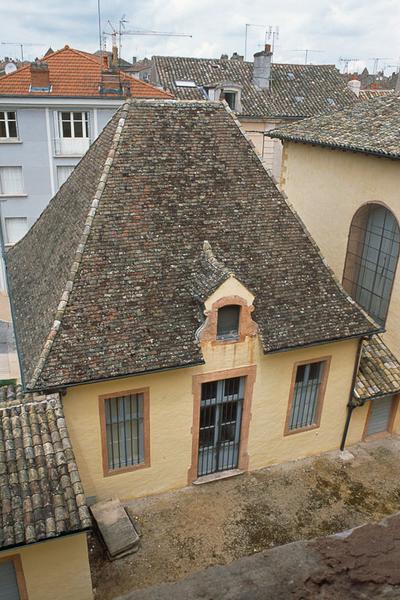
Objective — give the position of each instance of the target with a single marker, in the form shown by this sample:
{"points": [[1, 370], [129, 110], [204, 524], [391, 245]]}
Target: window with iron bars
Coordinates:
{"points": [[304, 406], [371, 259], [124, 418]]}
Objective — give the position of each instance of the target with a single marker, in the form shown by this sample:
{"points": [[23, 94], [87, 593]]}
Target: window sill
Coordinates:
{"points": [[69, 155], [10, 141], [217, 476], [130, 469], [302, 429], [13, 195]]}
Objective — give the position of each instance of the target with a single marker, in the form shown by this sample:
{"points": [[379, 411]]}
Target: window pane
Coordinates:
{"points": [[228, 322], [78, 129], [66, 129], [305, 395], [12, 129], [371, 260], [3, 131], [63, 172], [125, 430], [11, 180], [16, 228]]}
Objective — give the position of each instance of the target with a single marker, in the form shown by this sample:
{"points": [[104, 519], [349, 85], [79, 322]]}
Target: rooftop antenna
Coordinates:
{"points": [[346, 62], [307, 51], [122, 31], [272, 35], [21, 45], [99, 24], [246, 33], [376, 60]]}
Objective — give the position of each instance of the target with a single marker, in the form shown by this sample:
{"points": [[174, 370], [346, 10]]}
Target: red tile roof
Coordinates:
{"points": [[73, 73]]}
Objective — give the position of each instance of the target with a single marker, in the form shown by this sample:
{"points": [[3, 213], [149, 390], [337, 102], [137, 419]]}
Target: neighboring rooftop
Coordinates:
{"points": [[378, 373], [119, 245], [295, 90], [41, 495], [371, 127], [72, 73]]}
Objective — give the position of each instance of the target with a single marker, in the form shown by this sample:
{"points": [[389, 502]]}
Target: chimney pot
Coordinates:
{"points": [[40, 74]]}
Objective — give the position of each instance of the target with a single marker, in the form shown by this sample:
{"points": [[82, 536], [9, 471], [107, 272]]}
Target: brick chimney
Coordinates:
{"points": [[262, 68], [40, 74]]}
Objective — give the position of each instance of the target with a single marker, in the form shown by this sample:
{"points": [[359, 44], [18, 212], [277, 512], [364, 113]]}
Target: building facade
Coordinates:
{"points": [[341, 173], [181, 360]]}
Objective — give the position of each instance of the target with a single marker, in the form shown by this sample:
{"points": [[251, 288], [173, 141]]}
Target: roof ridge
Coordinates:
{"points": [[80, 249], [50, 56], [301, 223]]}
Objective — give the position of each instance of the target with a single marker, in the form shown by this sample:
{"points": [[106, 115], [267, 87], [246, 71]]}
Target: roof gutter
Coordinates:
{"points": [[351, 405], [354, 149]]}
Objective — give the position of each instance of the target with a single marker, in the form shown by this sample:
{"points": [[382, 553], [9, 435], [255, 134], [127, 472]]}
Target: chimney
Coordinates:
{"points": [[40, 74], [134, 59], [397, 88], [236, 56], [262, 68], [354, 85]]}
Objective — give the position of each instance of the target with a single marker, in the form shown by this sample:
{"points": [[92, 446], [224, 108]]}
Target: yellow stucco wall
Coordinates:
{"points": [[171, 412], [327, 187], [56, 569]]}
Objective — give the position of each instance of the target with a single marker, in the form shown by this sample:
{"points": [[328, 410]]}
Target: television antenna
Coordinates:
{"points": [[246, 33], [307, 51], [272, 35], [114, 33], [346, 62], [21, 45], [376, 60]]}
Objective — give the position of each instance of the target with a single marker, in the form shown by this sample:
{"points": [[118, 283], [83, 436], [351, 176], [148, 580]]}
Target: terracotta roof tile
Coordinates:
{"points": [[379, 371], [371, 127], [41, 495], [121, 260], [73, 73], [296, 90]]}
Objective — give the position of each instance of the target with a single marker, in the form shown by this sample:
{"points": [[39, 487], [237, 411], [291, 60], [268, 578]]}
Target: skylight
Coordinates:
{"points": [[331, 102], [299, 98], [290, 76], [185, 84]]}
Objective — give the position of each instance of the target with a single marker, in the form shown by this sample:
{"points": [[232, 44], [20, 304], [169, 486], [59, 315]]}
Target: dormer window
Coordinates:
{"points": [[228, 322], [230, 98]]}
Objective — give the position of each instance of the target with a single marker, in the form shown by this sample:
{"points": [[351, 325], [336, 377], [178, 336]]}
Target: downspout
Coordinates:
{"points": [[10, 296], [351, 404]]}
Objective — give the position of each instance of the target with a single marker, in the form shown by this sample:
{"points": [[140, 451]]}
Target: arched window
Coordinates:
{"points": [[228, 322], [371, 259]]}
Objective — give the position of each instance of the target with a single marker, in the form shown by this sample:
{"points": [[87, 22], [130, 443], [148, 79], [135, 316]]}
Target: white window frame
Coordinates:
{"points": [[8, 193], [58, 170], [84, 121], [8, 220], [6, 122]]}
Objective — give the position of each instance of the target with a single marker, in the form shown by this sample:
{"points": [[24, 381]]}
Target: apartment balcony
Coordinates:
{"points": [[71, 146]]}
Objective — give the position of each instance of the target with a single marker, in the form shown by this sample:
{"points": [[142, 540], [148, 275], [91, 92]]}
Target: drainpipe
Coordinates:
{"points": [[351, 404]]}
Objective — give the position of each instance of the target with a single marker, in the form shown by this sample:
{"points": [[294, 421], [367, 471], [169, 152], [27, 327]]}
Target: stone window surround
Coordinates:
{"points": [[19, 574], [320, 399], [146, 431], [247, 327], [250, 375]]}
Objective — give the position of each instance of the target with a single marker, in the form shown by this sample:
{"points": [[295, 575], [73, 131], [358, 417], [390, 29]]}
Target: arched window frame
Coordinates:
{"points": [[356, 259]]}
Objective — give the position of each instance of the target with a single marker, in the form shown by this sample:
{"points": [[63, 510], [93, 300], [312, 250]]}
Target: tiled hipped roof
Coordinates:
{"points": [[371, 127], [379, 371], [72, 73], [41, 495], [295, 91], [119, 246]]}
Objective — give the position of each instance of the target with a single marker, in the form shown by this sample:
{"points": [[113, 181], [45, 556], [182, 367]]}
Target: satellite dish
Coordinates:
{"points": [[10, 68]]}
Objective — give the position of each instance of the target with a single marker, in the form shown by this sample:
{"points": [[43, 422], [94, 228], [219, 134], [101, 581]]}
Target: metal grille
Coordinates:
{"points": [[372, 259], [305, 395], [220, 421], [124, 427]]}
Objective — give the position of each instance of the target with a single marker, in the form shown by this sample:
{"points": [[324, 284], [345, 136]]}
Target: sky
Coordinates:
{"points": [[330, 30]]}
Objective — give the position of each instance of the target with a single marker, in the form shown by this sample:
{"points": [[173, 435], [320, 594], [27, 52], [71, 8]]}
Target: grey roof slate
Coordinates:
{"points": [[371, 127], [379, 371], [41, 495], [175, 174], [296, 90]]}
